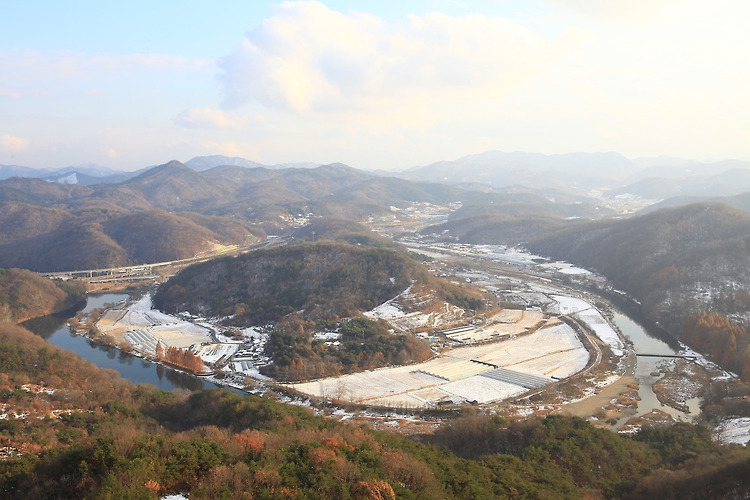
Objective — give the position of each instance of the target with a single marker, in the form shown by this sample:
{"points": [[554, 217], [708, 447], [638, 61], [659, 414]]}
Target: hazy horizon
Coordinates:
{"points": [[640, 161], [381, 86]]}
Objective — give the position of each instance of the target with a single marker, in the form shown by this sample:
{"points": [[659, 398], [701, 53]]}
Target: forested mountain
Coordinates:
{"points": [[41, 192], [674, 260], [495, 228], [512, 220], [53, 239], [172, 211]]}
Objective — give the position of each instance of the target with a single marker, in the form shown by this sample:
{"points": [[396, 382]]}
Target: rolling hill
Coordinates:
{"points": [[25, 295], [45, 239], [675, 261], [326, 280]]}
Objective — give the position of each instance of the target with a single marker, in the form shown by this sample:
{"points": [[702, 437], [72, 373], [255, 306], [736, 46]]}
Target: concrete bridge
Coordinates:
{"points": [[642, 355], [147, 270]]}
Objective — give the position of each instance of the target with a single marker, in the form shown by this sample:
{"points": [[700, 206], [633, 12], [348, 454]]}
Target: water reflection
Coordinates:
{"points": [[55, 330], [104, 300], [45, 326], [643, 342]]}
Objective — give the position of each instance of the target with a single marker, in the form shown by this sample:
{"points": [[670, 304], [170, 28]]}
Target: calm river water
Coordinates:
{"points": [[644, 343], [54, 328]]}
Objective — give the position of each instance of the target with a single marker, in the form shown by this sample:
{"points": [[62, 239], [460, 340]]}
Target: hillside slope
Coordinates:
{"points": [[25, 295], [325, 280], [676, 261], [689, 267]]}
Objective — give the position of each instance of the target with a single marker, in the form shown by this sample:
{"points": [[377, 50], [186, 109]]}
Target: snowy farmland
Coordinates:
{"points": [[588, 315], [404, 312], [480, 373], [507, 323], [143, 327]]}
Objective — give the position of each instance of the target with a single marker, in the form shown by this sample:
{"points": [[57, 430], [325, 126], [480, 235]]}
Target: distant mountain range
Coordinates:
{"points": [[609, 174], [602, 175], [505, 196], [91, 173], [172, 211]]}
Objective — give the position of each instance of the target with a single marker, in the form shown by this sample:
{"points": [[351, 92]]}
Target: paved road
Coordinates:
{"points": [[146, 270]]}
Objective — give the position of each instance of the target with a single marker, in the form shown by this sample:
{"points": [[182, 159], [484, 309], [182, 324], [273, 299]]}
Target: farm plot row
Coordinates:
{"points": [[459, 375]]}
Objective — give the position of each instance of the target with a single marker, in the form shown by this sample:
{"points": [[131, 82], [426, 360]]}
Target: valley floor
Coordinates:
{"points": [[556, 353]]}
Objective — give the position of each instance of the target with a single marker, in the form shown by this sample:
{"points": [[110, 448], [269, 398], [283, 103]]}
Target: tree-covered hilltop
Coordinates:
{"points": [[25, 295], [324, 280], [342, 229]]}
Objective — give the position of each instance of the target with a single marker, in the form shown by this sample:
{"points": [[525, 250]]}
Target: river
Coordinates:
{"points": [[54, 329], [646, 367]]}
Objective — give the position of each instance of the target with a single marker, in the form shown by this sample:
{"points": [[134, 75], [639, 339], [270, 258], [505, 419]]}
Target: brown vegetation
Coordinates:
{"points": [[25, 295], [179, 357], [726, 342]]}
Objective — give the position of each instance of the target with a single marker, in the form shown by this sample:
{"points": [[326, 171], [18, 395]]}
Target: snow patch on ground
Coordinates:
{"points": [[394, 311], [568, 305], [385, 311], [735, 430], [592, 318], [328, 336]]}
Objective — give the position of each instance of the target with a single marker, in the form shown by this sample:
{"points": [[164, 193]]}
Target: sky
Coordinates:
{"points": [[376, 85]]}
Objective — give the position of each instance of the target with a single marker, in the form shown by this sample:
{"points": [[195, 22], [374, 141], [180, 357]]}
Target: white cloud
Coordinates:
{"points": [[10, 93], [12, 144], [309, 59], [33, 65], [206, 118], [618, 11], [641, 77]]}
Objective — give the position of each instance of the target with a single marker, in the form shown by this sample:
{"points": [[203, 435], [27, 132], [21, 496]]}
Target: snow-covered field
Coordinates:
{"points": [[735, 430], [505, 324], [587, 314], [553, 351], [397, 312], [143, 327]]}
